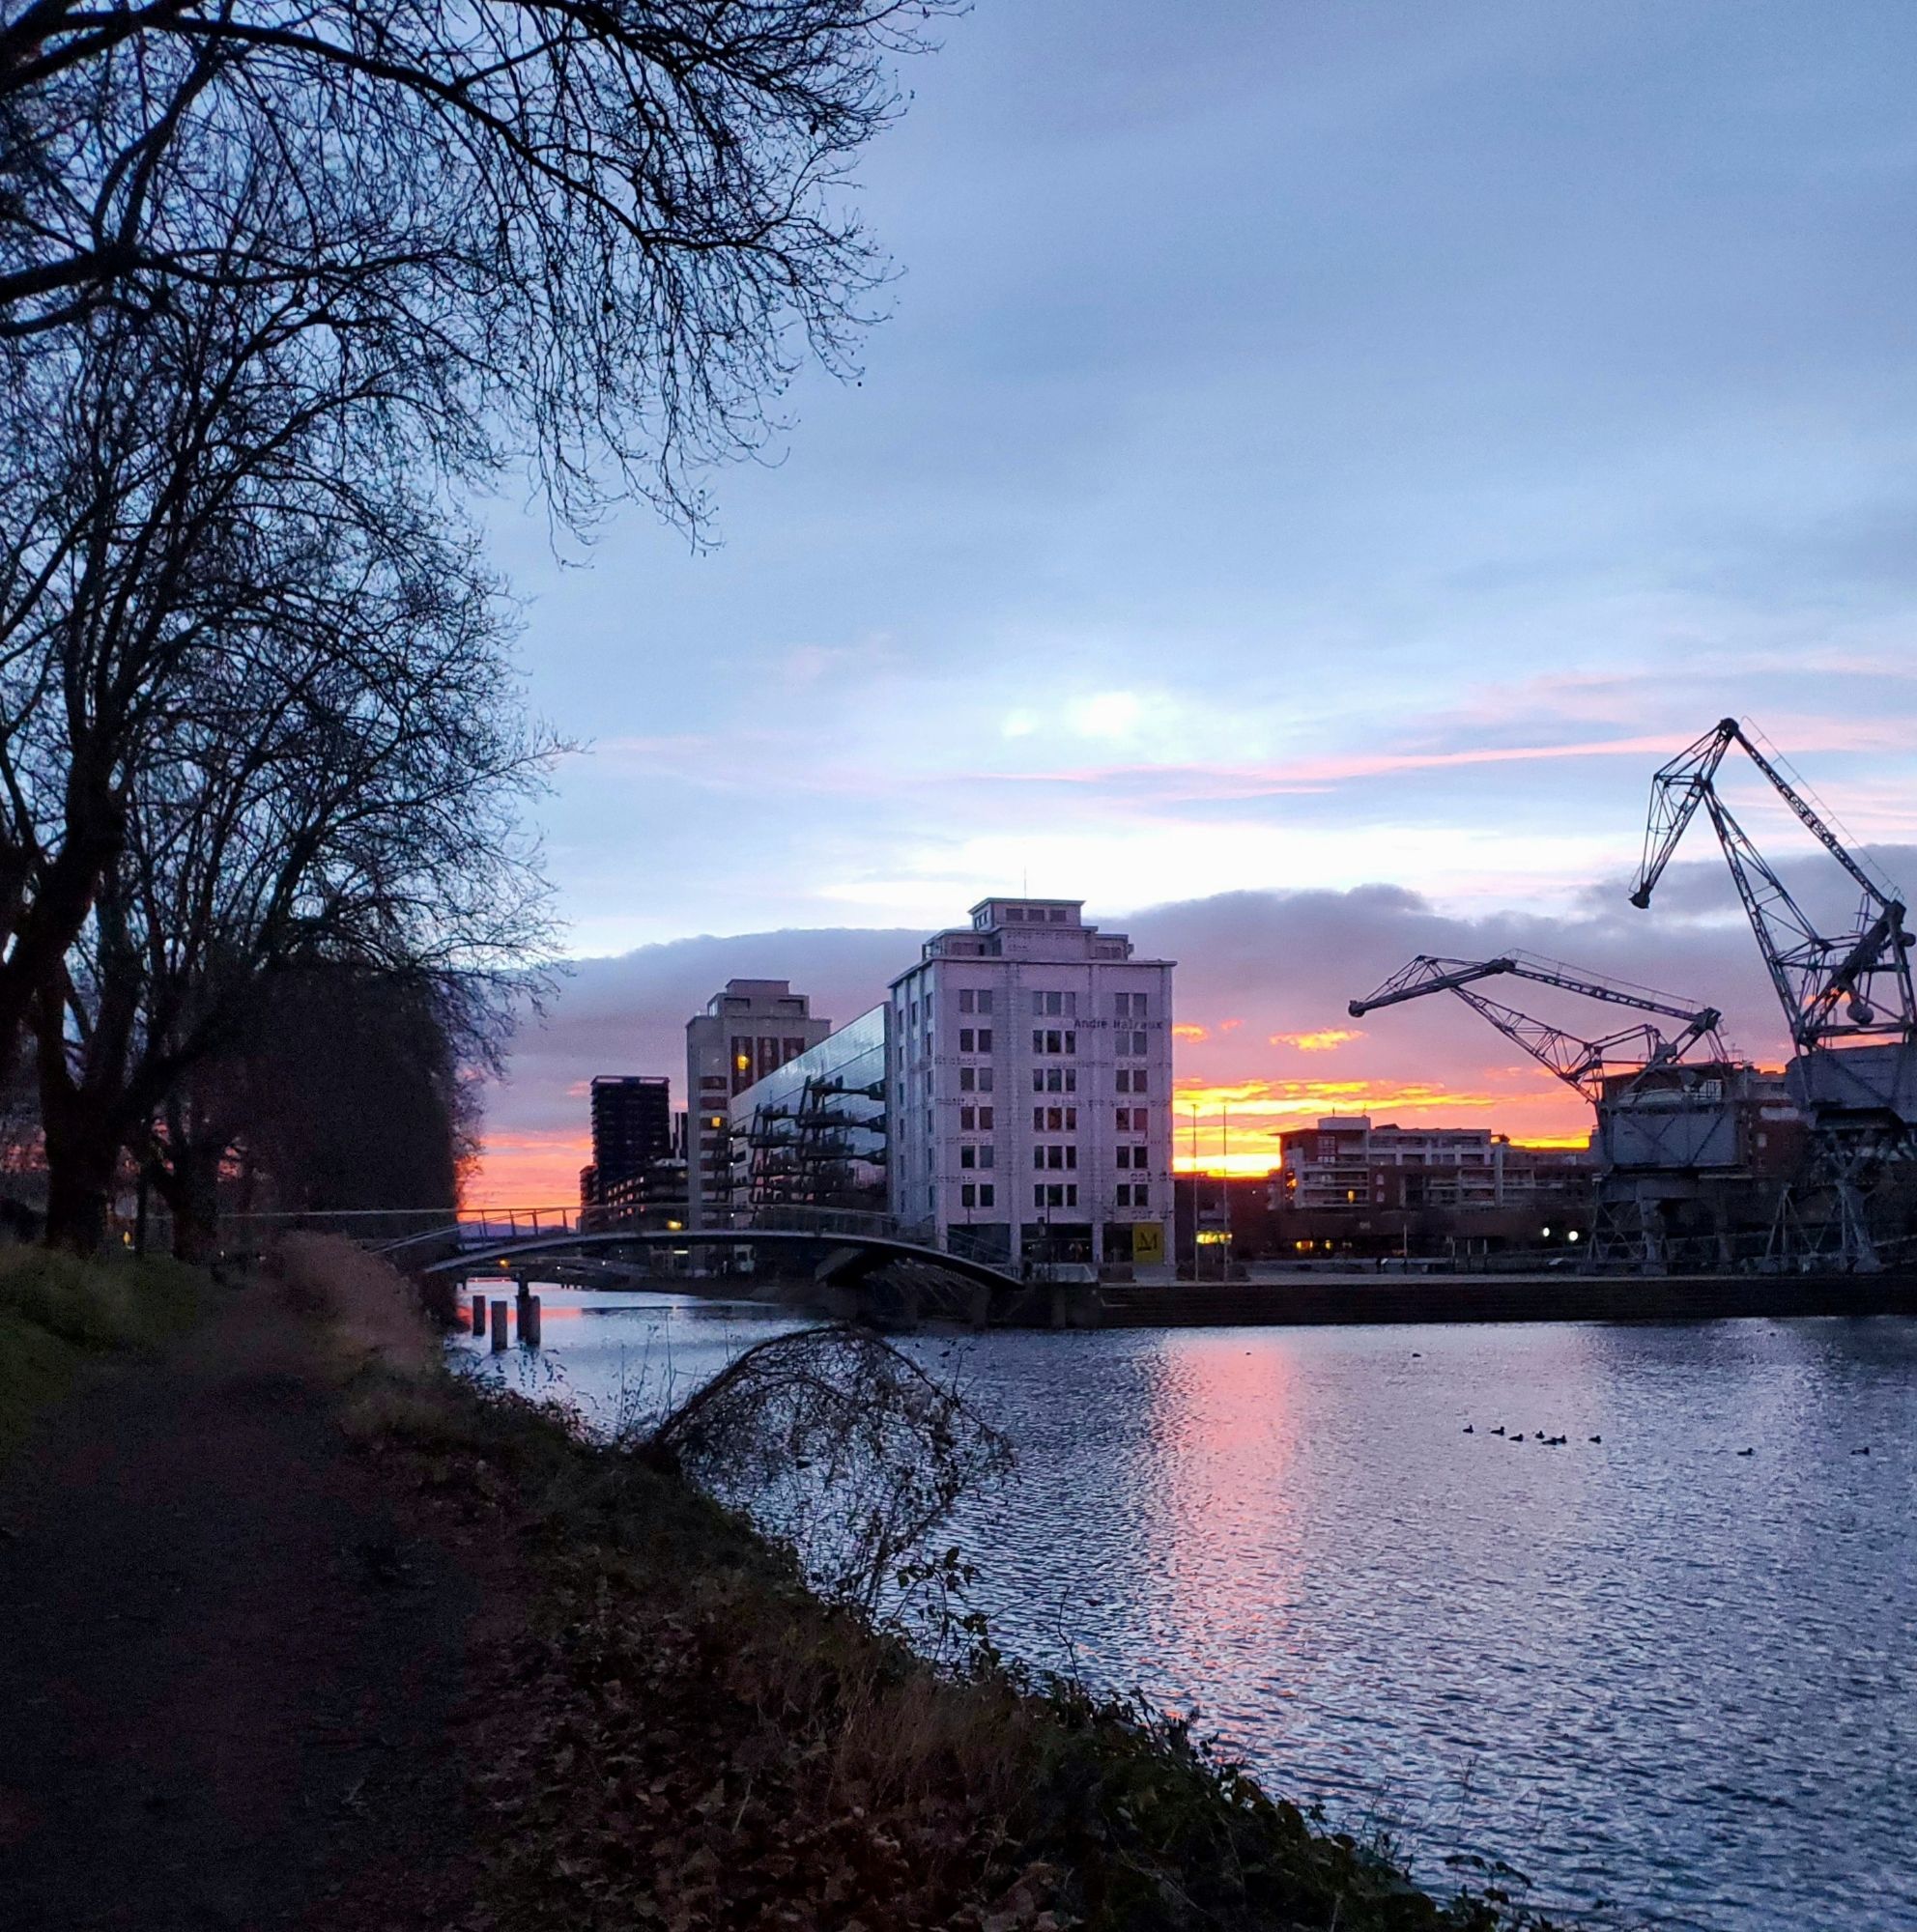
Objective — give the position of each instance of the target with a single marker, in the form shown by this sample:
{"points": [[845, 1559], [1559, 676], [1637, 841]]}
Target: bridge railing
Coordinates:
{"points": [[384, 1227]]}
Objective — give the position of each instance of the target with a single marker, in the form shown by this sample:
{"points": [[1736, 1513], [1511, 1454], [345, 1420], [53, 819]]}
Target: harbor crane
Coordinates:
{"points": [[1662, 1120], [1854, 984], [1578, 1062], [1847, 997]]}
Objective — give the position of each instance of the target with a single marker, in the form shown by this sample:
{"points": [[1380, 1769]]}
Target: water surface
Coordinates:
{"points": [[1673, 1684]]}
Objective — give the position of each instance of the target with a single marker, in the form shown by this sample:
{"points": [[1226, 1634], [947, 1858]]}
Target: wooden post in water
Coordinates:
{"points": [[529, 1321], [478, 1316], [499, 1327]]}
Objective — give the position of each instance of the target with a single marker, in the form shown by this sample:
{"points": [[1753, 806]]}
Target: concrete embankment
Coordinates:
{"points": [[1320, 1300]]}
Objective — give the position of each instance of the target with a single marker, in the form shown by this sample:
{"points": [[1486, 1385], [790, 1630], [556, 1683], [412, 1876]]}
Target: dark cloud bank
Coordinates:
{"points": [[1276, 962]]}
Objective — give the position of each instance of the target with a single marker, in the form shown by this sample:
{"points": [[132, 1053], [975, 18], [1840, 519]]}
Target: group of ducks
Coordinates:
{"points": [[1548, 1441], [1559, 1442]]}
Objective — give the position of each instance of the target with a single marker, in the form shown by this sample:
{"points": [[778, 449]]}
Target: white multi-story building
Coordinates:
{"points": [[1030, 1090]]}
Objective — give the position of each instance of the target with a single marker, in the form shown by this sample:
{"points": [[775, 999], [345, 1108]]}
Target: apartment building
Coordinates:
{"points": [[1030, 1088], [1347, 1162]]}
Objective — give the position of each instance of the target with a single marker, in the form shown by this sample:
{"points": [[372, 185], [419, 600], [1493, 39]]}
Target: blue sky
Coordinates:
{"points": [[1313, 445]]}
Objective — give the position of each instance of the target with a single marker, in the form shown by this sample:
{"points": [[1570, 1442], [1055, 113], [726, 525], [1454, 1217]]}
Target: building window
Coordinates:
{"points": [[985, 1079], [984, 1120], [967, 1119], [968, 1080], [1131, 1080], [1128, 1005], [969, 1156], [1055, 1006], [1137, 1043], [986, 1195], [968, 1196], [1050, 1040], [965, 999], [985, 1158], [985, 998], [1054, 1080]]}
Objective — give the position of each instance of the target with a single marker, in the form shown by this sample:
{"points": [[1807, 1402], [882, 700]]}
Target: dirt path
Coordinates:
{"points": [[232, 1682]]}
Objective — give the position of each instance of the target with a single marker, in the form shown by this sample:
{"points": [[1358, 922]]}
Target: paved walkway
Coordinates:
{"points": [[230, 1673]]}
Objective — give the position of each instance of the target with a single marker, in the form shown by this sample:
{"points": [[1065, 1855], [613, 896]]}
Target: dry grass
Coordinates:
{"points": [[371, 1311]]}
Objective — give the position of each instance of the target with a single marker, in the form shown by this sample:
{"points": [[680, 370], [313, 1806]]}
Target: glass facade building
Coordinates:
{"points": [[809, 1138]]}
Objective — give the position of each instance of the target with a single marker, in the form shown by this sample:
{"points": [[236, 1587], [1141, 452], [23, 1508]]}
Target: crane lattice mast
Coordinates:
{"points": [[1857, 983]]}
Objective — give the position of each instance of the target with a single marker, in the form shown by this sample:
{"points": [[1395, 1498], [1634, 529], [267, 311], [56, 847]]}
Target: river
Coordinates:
{"points": [[1673, 1684]]}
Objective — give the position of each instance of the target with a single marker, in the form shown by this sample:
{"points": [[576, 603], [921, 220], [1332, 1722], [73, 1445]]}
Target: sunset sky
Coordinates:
{"points": [[1320, 461]]}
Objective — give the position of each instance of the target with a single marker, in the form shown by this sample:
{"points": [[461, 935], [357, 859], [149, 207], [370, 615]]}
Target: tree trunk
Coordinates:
{"points": [[81, 1161], [188, 1183]]}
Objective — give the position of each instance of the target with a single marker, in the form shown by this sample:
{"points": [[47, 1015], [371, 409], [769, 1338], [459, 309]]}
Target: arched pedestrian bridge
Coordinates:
{"points": [[876, 1277]]}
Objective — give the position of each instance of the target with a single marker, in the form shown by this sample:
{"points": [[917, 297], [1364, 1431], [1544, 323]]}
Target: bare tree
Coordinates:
{"points": [[353, 797], [624, 219], [240, 481]]}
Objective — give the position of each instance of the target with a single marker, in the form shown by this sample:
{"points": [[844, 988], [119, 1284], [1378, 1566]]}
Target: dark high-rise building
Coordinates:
{"points": [[631, 1126]]}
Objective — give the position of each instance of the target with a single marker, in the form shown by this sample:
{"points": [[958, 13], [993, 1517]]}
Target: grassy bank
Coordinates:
{"points": [[57, 1311], [686, 1737]]}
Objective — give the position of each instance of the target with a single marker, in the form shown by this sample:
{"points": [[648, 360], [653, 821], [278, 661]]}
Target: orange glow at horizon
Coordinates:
{"points": [[529, 1170], [1236, 1127]]}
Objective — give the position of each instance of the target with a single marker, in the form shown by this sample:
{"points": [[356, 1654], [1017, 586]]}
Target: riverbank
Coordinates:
{"points": [[312, 1633]]}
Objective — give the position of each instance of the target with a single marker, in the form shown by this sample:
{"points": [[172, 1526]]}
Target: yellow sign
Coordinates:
{"points": [[1148, 1241]]}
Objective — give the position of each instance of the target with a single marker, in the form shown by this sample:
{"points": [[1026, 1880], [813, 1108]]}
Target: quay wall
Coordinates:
{"points": [[1325, 1300]]}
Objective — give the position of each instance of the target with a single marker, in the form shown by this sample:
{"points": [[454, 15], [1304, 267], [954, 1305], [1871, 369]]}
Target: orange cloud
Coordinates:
{"points": [[1326, 1040], [1185, 1031]]}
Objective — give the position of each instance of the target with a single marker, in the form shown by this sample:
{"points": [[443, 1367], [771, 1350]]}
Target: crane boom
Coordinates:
{"points": [[1430, 973], [1578, 1062]]}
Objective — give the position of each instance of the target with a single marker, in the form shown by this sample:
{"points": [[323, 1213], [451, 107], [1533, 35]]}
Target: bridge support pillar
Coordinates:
{"points": [[528, 1320], [478, 1316], [499, 1327]]}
